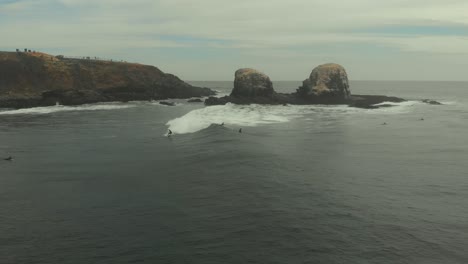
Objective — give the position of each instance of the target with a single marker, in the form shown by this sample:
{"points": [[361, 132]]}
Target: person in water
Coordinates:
{"points": [[240, 130], [169, 132], [10, 158]]}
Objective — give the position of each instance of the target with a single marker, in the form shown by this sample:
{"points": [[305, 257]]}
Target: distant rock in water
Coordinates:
{"points": [[432, 102], [39, 79], [167, 103], [251, 83], [373, 101], [327, 80]]}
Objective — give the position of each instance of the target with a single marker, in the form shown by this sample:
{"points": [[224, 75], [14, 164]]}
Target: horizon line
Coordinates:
{"points": [[349, 80]]}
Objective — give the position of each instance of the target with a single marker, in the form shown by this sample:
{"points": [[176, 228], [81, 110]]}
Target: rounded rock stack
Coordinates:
{"points": [[251, 83], [327, 80]]}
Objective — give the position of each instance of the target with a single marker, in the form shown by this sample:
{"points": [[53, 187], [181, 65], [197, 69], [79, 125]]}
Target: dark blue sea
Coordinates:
{"points": [[103, 183]]}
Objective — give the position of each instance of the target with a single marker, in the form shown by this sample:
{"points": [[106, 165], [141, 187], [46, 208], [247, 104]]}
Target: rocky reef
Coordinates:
{"points": [[29, 79], [327, 84]]}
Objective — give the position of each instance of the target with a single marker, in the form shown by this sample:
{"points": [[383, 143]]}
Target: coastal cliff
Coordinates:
{"points": [[29, 79]]}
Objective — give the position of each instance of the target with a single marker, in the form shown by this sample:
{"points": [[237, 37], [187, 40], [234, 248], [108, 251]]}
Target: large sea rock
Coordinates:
{"points": [[29, 79], [251, 83], [328, 84], [327, 80]]}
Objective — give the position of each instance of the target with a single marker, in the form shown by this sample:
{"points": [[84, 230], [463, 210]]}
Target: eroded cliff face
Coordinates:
{"points": [[37, 79]]}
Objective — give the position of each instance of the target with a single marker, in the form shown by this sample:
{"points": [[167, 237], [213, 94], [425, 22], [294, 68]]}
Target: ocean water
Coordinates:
{"points": [[103, 183]]}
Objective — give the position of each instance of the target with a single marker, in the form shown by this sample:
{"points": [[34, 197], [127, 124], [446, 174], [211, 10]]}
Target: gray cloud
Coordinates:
{"points": [[300, 32]]}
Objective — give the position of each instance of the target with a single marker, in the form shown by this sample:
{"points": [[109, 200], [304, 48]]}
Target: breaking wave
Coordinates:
{"points": [[244, 116], [230, 114], [62, 108], [255, 115]]}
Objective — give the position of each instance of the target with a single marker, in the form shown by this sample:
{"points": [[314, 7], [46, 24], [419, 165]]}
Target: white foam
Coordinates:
{"points": [[405, 103], [254, 115], [230, 114], [396, 108], [449, 102], [247, 115], [62, 108], [220, 94]]}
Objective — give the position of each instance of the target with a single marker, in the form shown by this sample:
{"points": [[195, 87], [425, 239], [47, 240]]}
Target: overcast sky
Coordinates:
{"points": [[210, 39]]}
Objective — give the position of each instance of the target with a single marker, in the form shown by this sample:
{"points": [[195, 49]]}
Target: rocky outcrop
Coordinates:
{"points": [[327, 84], [39, 79], [372, 101], [327, 80], [431, 102], [167, 103], [251, 83]]}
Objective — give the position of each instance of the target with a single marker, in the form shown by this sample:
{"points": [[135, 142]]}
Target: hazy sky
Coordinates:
{"points": [[210, 39]]}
